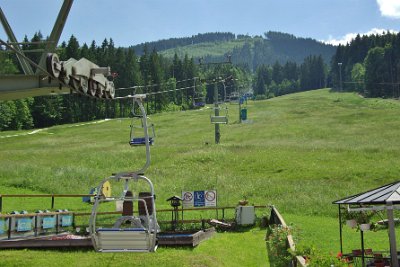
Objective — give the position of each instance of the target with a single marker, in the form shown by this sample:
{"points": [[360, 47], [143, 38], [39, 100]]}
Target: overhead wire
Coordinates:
{"points": [[212, 82], [154, 85]]}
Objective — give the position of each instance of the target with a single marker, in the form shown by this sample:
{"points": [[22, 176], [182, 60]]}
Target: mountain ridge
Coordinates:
{"points": [[250, 51]]}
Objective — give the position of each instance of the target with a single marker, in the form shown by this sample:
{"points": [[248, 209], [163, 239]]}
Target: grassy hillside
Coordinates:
{"points": [[317, 146], [299, 152], [255, 51], [214, 49]]}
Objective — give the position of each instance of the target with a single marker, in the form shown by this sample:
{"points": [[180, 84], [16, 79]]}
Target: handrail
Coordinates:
{"points": [[34, 214], [53, 196]]}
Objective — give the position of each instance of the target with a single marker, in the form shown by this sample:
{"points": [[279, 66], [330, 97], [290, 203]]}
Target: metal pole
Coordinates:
{"points": [[216, 110], [340, 230], [240, 110], [392, 235], [340, 76], [362, 248]]}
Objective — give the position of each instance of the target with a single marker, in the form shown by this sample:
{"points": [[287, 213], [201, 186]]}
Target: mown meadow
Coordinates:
{"points": [[298, 152]]}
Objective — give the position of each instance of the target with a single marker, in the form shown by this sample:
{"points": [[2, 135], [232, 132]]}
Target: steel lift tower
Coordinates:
{"points": [[50, 75]]}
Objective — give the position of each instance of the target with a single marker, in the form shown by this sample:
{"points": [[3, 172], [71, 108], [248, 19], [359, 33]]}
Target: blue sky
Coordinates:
{"points": [[129, 22]]}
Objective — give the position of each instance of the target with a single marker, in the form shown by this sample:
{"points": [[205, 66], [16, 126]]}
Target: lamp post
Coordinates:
{"points": [[340, 75]]}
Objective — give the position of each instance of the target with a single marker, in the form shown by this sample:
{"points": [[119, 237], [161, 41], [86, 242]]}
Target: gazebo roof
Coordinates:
{"points": [[380, 195]]}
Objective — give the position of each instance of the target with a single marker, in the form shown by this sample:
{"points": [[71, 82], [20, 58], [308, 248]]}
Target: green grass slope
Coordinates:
{"points": [[214, 49], [299, 152]]}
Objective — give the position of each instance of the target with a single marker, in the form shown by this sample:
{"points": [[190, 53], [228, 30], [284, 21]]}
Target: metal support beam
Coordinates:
{"points": [[340, 230], [26, 68], [21, 86], [56, 32]]}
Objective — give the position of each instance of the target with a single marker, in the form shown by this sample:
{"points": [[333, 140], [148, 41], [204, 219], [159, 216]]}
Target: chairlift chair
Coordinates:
{"points": [[140, 140], [129, 233], [234, 98], [199, 100]]}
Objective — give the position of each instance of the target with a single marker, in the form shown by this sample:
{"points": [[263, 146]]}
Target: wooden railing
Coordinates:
{"points": [[184, 218], [277, 219]]}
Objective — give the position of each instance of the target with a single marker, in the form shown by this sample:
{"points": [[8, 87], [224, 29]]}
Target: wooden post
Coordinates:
{"points": [[52, 201], [36, 225], [9, 227], [56, 223]]}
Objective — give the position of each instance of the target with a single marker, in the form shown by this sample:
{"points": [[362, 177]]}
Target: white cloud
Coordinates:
{"points": [[343, 40], [389, 8]]}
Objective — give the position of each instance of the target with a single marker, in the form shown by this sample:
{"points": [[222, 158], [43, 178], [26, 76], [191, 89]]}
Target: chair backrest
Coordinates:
{"points": [[127, 206]]}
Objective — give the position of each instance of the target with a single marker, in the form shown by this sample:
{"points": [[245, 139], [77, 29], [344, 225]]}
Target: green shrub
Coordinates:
{"points": [[277, 245]]}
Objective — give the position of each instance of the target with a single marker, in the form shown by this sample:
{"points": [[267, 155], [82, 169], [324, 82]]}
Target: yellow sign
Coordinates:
{"points": [[106, 190]]}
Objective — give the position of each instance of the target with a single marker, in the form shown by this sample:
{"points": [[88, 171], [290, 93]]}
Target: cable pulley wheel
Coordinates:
{"points": [[52, 64]]}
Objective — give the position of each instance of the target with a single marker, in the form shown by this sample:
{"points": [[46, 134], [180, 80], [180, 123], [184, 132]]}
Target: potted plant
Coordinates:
{"points": [[360, 218], [349, 218], [243, 202], [363, 220]]}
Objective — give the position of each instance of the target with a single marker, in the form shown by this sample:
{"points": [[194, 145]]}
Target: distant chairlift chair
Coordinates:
{"points": [[140, 140]]}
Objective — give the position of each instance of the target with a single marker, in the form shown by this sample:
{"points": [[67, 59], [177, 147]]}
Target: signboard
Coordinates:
{"points": [[203, 198], [187, 199], [66, 220], [49, 222], [2, 226], [199, 200], [210, 198], [24, 224]]}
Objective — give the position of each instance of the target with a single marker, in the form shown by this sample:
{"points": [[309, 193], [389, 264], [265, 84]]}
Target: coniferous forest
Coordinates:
{"points": [[268, 66], [369, 65]]}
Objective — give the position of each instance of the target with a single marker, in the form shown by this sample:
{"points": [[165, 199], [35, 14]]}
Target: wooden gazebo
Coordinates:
{"points": [[387, 198]]}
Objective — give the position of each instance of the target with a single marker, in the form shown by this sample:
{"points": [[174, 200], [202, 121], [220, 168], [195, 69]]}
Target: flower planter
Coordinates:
{"points": [[243, 202], [351, 223], [365, 227]]}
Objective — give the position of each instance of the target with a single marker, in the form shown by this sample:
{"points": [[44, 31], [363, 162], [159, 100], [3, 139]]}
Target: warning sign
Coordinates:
{"points": [[210, 198], [203, 198], [187, 199]]}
